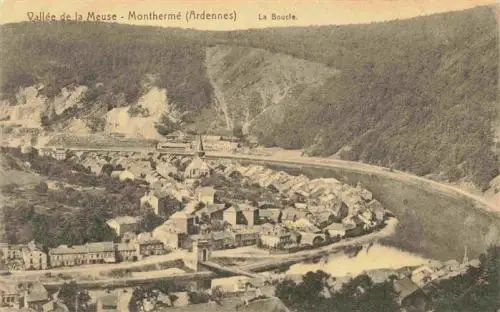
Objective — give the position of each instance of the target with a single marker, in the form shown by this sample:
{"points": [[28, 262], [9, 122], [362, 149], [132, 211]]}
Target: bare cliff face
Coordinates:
{"points": [[31, 105], [63, 113], [252, 86]]}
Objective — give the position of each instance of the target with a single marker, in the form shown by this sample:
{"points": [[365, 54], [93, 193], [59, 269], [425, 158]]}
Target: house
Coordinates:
{"points": [[278, 237], [124, 224], [214, 211], [126, 252], [206, 195], [336, 230], [312, 239], [249, 213], [377, 210], [10, 295], [35, 295], [354, 226], [320, 217], [232, 304], [54, 306], [107, 303], [34, 259], [222, 240], [64, 255], [170, 236], [303, 225], [231, 284], [166, 170], [13, 252], [122, 175], [183, 222], [293, 214], [422, 275], [45, 152], [102, 252], [451, 265], [270, 215], [147, 245], [27, 256], [338, 209], [241, 214], [59, 153], [160, 201], [91, 253], [410, 296], [246, 237], [230, 215]]}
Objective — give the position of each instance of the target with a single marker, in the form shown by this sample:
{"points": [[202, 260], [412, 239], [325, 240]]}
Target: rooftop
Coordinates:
{"points": [[271, 304], [101, 247], [206, 191], [124, 220]]}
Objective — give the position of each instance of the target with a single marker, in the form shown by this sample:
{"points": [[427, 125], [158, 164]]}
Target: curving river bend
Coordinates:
{"points": [[433, 222]]}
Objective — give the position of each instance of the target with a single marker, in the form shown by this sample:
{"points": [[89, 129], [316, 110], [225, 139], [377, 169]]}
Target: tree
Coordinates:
{"points": [[149, 222], [72, 295], [198, 297], [107, 169], [42, 187], [359, 294], [238, 131], [136, 303]]}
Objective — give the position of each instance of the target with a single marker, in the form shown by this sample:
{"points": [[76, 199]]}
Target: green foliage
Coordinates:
{"points": [[42, 187], [151, 293], [110, 59], [477, 290], [149, 222], [86, 221], [72, 294], [198, 297], [238, 131], [166, 126], [418, 95], [360, 294]]}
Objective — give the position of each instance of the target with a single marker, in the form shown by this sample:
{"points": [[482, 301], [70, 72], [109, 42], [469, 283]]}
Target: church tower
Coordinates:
{"points": [[200, 151]]}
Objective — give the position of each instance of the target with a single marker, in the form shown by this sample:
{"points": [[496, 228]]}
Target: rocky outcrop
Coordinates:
{"points": [[251, 86]]}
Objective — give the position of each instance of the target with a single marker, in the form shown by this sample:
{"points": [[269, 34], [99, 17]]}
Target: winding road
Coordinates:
{"points": [[269, 261], [291, 159]]}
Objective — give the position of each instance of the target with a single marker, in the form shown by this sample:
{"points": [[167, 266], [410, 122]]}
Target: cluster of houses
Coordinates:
{"points": [[143, 245], [435, 270], [58, 153], [28, 296], [31, 257], [320, 210], [23, 256]]}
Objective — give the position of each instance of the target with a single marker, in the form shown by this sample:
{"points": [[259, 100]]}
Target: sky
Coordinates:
{"points": [[249, 13]]}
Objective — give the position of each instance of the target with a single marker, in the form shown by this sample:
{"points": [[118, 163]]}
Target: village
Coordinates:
{"points": [[301, 213], [209, 207]]}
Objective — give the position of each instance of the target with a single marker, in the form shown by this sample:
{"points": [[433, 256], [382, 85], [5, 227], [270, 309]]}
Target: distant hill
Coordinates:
{"points": [[418, 95]]}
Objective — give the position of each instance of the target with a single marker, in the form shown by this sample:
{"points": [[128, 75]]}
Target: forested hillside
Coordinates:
{"points": [[112, 60], [418, 95]]}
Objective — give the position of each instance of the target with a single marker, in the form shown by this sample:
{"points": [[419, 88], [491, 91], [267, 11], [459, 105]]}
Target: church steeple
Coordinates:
{"points": [[200, 151]]}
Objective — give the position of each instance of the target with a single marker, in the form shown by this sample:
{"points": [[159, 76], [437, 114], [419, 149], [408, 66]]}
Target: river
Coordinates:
{"points": [[373, 258]]}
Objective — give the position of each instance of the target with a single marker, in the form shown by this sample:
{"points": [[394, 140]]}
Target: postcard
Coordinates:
{"points": [[267, 156]]}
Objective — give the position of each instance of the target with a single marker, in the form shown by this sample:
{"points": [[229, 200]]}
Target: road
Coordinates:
{"points": [[272, 261], [104, 268], [388, 230], [359, 167], [291, 159]]}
